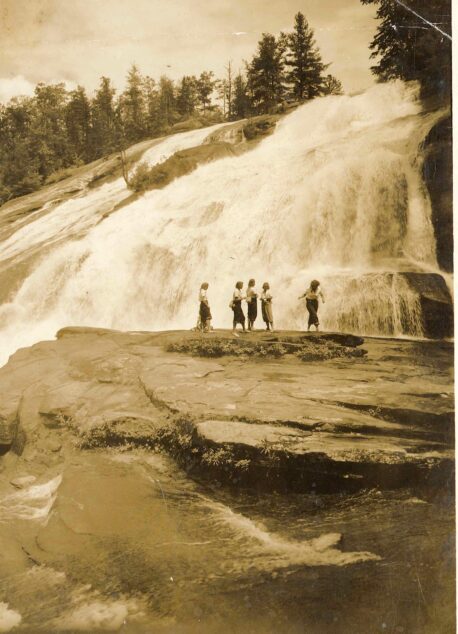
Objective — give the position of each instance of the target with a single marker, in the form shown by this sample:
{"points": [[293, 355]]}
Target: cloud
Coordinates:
{"points": [[80, 40], [19, 86], [15, 87]]}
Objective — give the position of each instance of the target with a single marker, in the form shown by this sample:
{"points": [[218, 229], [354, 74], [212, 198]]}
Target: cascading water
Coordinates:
{"points": [[335, 194]]}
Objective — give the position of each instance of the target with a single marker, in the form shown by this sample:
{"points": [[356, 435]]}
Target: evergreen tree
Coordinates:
{"points": [[229, 88], [78, 120], [265, 75], [407, 48], [56, 129], [205, 86], [332, 86], [103, 117], [303, 60], [187, 96], [222, 92], [18, 163], [152, 106], [241, 100], [167, 105], [49, 131], [20, 173], [133, 106]]}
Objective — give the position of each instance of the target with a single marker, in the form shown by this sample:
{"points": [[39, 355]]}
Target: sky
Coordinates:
{"points": [[77, 41]]}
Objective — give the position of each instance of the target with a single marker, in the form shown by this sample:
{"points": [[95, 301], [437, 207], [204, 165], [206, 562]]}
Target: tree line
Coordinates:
{"points": [[55, 129], [413, 42]]}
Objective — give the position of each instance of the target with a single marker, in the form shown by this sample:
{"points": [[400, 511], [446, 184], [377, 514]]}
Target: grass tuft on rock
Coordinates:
{"points": [[209, 347], [319, 350]]}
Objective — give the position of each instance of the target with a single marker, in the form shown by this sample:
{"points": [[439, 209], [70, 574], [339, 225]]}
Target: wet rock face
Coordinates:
{"points": [[228, 141], [379, 420], [438, 175], [436, 303]]}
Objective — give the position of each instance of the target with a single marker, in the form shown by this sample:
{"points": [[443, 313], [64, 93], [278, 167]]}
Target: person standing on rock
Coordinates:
{"points": [[312, 294], [205, 315], [252, 301], [266, 306], [236, 305]]}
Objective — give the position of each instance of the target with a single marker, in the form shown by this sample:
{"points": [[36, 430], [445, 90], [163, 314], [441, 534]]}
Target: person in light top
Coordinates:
{"points": [[236, 305], [205, 315], [252, 301], [266, 306], [312, 294]]}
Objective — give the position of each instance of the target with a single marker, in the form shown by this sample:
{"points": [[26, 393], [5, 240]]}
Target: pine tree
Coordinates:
{"points": [[133, 106], [187, 96], [265, 75], [167, 103], [152, 106], [103, 117], [205, 86], [78, 119], [241, 101], [406, 47], [229, 88], [18, 162], [49, 133], [221, 90], [332, 86], [303, 61]]}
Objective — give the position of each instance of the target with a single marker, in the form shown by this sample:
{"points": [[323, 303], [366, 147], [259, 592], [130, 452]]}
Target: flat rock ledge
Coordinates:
{"points": [[381, 420]]}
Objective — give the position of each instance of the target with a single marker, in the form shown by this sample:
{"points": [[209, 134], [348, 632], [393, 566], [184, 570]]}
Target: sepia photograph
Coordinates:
{"points": [[226, 317]]}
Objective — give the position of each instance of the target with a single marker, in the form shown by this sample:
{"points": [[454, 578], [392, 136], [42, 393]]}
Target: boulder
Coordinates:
{"points": [[436, 303]]}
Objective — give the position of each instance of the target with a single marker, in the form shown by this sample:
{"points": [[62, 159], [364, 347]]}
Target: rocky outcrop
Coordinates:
{"points": [[229, 140], [438, 176], [435, 301], [259, 127], [179, 164], [247, 131], [281, 423]]}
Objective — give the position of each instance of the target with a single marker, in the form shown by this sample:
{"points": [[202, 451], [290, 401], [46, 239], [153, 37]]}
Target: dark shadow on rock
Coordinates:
{"points": [[438, 176], [436, 303]]}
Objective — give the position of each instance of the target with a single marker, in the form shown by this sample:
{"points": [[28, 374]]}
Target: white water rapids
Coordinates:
{"points": [[335, 193]]}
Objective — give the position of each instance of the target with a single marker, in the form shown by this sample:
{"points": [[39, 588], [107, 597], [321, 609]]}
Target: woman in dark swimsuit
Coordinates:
{"points": [[311, 297], [204, 308], [252, 301], [239, 317]]}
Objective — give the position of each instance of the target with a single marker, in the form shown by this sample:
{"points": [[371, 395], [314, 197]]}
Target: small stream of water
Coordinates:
{"points": [[124, 541]]}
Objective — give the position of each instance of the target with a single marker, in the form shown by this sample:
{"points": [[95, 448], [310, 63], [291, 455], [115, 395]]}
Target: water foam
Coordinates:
{"points": [[278, 552], [32, 503], [78, 214], [336, 193], [9, 619]]}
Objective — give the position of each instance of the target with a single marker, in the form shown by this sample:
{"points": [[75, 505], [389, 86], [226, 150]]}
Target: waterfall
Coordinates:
{"points": [[335, 193]]}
